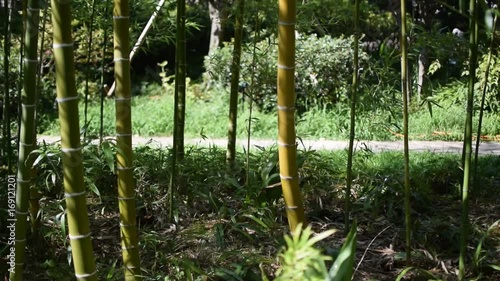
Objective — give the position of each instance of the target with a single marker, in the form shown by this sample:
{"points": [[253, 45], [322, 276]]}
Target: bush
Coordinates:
{"points": [[323, 70]]}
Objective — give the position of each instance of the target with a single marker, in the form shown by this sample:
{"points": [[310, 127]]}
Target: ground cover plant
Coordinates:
{"points": [[225, 231]]}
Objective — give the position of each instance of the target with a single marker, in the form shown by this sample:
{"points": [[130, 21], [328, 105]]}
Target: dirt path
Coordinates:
{"points": [[375, 146]]}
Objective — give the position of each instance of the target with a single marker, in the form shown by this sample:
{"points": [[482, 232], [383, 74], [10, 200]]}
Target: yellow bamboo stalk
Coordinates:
{"points": [[124, 156], [67, 98], [286, 114]]}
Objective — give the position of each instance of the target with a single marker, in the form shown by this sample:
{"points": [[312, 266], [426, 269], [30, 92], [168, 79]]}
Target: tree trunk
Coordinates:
{"points": [[423, 66], [218, 16]]}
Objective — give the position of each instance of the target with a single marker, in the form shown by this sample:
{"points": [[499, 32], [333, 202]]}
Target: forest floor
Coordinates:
{"points": [[224, 232], [485, 147]]}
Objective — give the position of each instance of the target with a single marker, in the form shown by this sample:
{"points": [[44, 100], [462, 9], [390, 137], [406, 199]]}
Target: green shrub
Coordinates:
{"points": [[323, 70]]}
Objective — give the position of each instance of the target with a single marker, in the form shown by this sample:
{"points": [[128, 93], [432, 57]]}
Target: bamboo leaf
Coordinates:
{"points": [[343, 267]]}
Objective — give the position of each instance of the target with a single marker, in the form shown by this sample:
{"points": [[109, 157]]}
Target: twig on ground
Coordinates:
{"points": [[368, 247]]}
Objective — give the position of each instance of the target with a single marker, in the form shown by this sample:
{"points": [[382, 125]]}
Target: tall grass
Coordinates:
{"points": [[152, 111]]}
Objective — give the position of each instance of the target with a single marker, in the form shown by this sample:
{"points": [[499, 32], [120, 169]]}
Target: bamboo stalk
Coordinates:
{"points": [[6, 134], [286, 114], [481, 108], [405, 91], [352, 125], [180, 80], [87, 70], [27, 140], [71, 149], [140, 40], [235, 79], [124, 155], [468, 139]]}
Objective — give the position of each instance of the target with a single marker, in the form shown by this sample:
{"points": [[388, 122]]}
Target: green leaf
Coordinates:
{"points": [[108, 155], [343, 267]]}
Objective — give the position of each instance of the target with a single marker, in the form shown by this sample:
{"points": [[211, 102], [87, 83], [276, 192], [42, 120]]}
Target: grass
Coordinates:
{"points": [[152, 115], [225, 231]]}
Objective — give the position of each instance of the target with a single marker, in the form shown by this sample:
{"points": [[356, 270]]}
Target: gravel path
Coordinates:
{"points": [[375, 146]]}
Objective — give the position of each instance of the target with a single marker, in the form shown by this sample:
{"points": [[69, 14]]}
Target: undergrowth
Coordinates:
{"points": [[226, 230]]}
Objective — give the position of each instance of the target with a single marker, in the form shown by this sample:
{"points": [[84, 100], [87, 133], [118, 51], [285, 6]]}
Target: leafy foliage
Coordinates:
{"points": [[323, 70], [300, 260]]}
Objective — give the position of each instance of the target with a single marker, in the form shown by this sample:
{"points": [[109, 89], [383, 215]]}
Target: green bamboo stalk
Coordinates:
{"points": [[24, 6], [27, 140], [124, 156], [468, 139], [71, 149], [354, 90], [35, 195], [87, 72], [235, 80], [404, 89], [140, 40], [481, 108], [250, 96], [286, 114], [103, 64], [180, 80], [6, 135]]}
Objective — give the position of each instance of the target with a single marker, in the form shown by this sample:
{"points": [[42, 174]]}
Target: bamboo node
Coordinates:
{"points": [[62, 45], [126, 198], [280, 66], [78, 237], [121, 60], [70, 149], [31, 60], [85, 275], [125, 168], [122, 99], [61, 100], [20, 240], [27, 105], [127, 225], [22, 213], [286, 108], [286, 144], [22, 180], [292, 207], [286, 23], [75, 194], [129, 248], [124, 135], [121, 17], [288, 177]]}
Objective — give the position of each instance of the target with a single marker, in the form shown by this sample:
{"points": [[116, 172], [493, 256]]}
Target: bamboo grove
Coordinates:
{"points": [[79, 225]]}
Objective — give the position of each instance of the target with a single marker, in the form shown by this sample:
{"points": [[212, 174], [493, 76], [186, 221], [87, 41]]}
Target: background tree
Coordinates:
{"points": [[124, 156], [71, 149]]}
